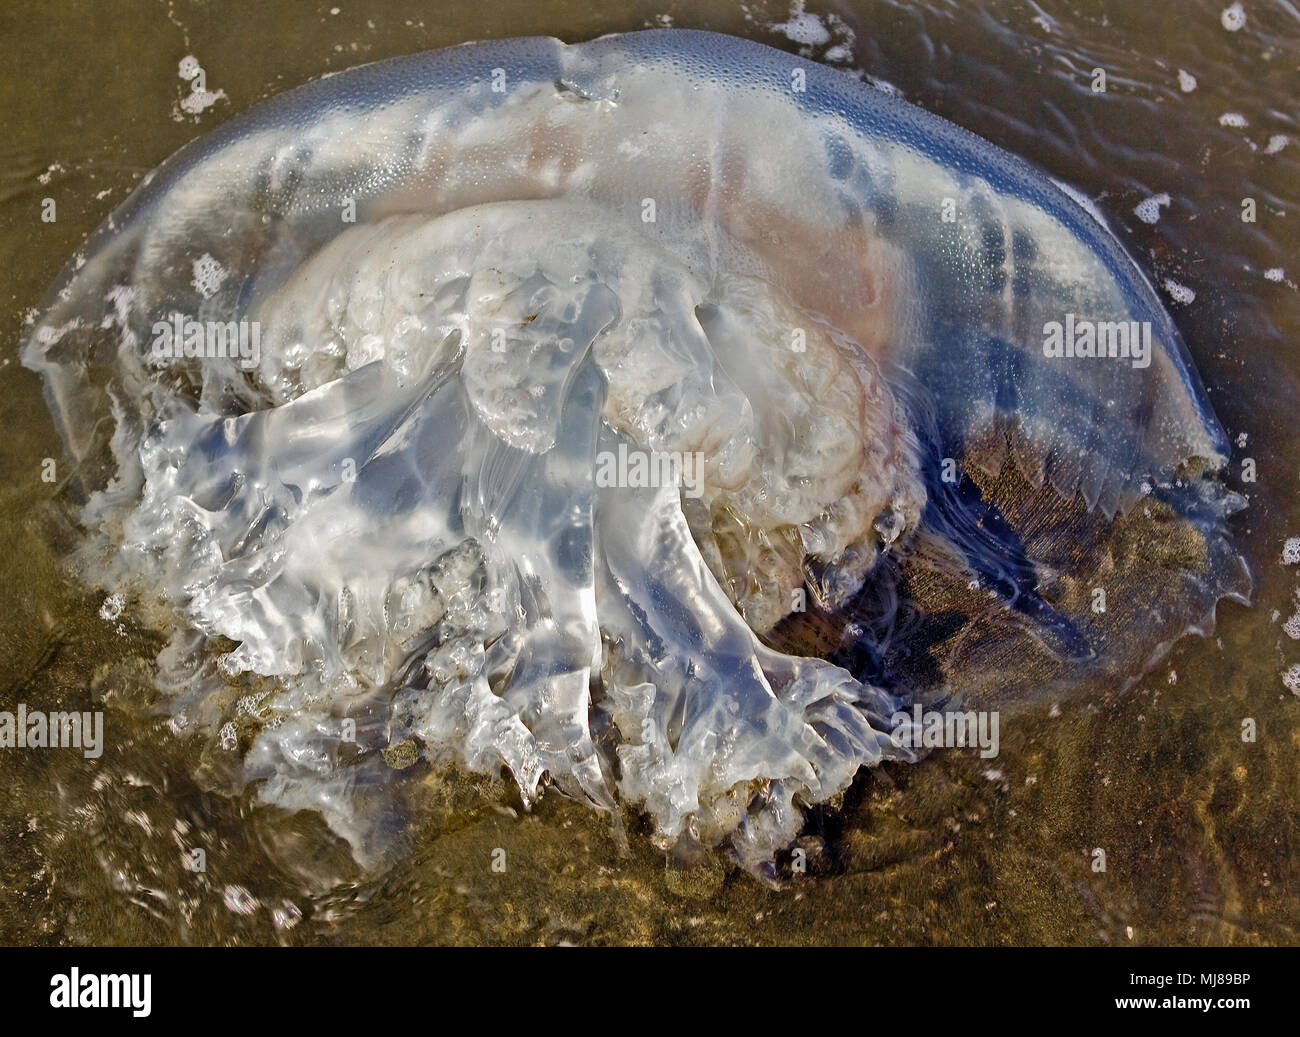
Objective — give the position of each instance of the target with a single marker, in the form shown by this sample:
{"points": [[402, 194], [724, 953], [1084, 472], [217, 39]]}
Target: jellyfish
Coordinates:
{"points": [[660, 418]]}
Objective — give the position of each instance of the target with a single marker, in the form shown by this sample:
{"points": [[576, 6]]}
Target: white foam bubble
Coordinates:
{"points": [[198, 98], [802, 27], [1292, 627], [1233, 17], [1148, 210], [239, 900]]}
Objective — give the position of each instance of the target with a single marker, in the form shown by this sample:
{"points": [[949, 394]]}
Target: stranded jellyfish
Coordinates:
{"points": [[662, 417]]}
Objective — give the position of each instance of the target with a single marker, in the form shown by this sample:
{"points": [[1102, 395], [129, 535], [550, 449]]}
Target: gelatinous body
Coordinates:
{"points": [[660, 414]]}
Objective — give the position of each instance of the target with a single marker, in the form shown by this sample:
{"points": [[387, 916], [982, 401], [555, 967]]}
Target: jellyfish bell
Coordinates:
{"points": [[633, 413]]}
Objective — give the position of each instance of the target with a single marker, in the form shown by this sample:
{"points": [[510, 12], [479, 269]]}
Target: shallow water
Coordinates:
{"points": [[1197, 825]]}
